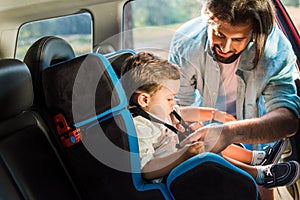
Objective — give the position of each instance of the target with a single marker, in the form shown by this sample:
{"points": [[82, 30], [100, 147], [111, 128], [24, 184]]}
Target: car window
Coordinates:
{"points": [[152, 23], [293, 9], [75, 29], [149, 25]]}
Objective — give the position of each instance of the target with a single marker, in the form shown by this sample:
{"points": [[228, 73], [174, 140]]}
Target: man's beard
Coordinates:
{"points": [[222, 59]]}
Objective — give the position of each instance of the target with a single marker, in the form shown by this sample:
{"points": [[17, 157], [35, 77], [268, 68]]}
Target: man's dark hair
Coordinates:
{"points": [[260, 12]]}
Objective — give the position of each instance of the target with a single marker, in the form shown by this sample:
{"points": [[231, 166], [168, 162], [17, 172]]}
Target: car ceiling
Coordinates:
{"points": [[13, 13], [11, 10]]}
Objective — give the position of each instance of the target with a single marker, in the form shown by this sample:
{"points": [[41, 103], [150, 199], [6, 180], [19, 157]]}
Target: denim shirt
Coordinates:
{"points": [[268, 86]]}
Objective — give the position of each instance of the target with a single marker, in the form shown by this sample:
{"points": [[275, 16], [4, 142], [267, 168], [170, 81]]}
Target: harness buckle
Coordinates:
{"points": [[69, 136]]}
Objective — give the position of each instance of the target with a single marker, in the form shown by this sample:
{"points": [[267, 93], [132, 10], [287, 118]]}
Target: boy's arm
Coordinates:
{"points": [[223, 116], [199, 114], [196, 114], [275, 125], [160, 167]]}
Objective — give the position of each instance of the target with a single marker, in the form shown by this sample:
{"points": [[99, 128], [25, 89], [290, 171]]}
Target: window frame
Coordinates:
{"points": [[57, 35]]}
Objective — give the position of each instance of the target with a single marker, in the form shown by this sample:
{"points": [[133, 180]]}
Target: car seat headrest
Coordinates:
{"points": [[117, 59], [82, 88], [47, 51], [42, 54], [16, 92]]}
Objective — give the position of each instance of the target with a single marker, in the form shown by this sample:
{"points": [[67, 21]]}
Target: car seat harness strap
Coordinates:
{"points": [[136, 111]]}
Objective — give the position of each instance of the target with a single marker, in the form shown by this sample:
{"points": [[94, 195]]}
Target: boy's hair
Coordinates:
{"points": [[145, 72], [235, 12]]}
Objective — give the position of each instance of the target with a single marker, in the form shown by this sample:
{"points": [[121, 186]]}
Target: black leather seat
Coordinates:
{"points": [[30, 167], [42, 54]]}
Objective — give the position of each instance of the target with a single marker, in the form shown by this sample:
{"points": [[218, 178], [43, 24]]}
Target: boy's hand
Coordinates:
{"points": [[192, 138], [212, 137], [180, 127], [195, 126], [194, 149]]}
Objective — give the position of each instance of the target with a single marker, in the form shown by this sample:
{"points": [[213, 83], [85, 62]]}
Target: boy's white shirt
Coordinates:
{"points": [[155, 140]]}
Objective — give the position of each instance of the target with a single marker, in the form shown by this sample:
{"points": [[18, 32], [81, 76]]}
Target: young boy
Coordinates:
{"points": [[151, 84]]}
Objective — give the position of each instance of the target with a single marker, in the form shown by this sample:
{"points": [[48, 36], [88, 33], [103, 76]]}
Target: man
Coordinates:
{"points": [[235, 59], [239, 62]]}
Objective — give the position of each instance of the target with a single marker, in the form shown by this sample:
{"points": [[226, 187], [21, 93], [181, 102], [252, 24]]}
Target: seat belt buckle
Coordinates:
{"points": [[69, 136]]}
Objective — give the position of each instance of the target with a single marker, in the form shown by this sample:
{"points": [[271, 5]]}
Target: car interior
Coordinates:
{"points": [[65, 129]]}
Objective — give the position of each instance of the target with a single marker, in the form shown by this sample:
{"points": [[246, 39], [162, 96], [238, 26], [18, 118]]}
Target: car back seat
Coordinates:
{"points": [[30, 167], [43, 53]]}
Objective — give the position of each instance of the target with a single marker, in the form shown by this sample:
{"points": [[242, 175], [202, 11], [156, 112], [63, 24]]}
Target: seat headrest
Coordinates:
{"points": [[42, 54], [83, 88], [16, 92], [47, 51], [117, 59]]}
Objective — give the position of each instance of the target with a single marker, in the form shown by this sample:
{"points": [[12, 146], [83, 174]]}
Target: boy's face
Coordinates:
{"points": [[226, 41], [162, 102]]}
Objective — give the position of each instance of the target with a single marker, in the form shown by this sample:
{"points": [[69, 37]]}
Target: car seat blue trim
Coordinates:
{"points": [[200, 159], [139, 183]]}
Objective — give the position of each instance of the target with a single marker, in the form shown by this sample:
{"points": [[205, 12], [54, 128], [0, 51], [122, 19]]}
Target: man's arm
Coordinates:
{"points": [[275, 125], [199, 114]]}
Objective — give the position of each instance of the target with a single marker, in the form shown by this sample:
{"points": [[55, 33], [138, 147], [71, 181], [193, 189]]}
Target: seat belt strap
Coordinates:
{"points": [[136, 111]]}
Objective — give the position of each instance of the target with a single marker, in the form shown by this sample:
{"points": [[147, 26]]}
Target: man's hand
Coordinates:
{"points": [[212, 137]]}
